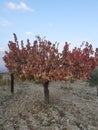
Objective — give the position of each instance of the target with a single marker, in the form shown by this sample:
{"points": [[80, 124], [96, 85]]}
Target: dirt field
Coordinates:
{"points": [[72, 107]]}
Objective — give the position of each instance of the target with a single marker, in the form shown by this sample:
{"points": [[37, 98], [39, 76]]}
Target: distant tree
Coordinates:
{"points": [[96, 56], [93, 81], [42, 61]]}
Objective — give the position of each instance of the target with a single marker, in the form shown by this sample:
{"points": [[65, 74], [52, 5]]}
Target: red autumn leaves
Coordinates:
{"points": [[42, 61]]}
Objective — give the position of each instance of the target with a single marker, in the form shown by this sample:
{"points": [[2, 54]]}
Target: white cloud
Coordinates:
{"points": [[4, 22], [20, 6], [11, 5], [28, 33]]}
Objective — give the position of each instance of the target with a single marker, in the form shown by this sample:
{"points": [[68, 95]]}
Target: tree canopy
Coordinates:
{"points": [[42, 60]]}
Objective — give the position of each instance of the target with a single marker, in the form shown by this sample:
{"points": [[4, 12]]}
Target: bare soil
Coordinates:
{"points": [[72, 107]]}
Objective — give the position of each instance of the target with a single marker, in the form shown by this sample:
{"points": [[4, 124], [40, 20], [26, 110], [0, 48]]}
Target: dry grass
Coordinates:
{"points": [[75, 105]]}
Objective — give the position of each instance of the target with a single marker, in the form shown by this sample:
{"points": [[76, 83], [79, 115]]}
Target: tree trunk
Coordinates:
{"points": [[12, 83], [71, 80], [46, 92]]}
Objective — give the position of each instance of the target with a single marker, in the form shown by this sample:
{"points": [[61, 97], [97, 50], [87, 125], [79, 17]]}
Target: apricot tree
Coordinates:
{"points": [[42, 61]]}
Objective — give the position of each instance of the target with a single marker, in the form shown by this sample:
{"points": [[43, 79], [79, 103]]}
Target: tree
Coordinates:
{"points": [[79, 62], [93, 81], [39, 61], [96, 56], [42, 61]]}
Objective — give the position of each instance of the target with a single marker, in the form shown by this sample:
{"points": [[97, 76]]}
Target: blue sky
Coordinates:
{"points": [[74, 21]]}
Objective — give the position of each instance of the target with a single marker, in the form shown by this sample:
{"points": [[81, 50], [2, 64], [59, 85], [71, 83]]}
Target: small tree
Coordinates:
{"points": [[42, 61], [93, 81], [39, 61], [79, 62]]}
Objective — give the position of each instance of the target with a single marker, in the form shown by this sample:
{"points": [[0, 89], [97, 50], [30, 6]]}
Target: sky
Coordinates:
{"points": [[73, 21]]}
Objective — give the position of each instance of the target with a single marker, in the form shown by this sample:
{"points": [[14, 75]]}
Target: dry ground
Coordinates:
{"points": [[72, 107]]}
